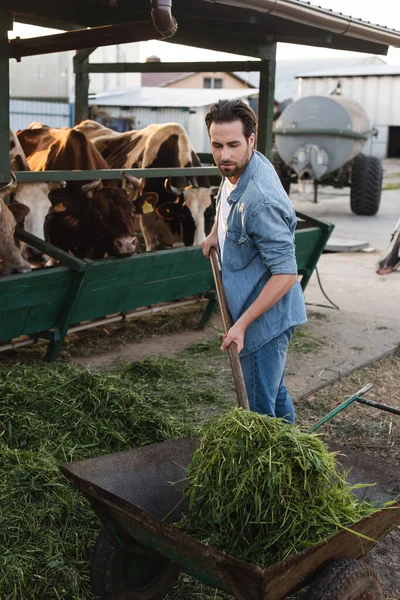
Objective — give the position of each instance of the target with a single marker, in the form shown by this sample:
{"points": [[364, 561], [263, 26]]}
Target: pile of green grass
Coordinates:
{"points": [[262, 490], [50, 415]]}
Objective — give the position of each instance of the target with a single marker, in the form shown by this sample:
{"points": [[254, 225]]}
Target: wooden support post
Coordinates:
{"points": [[81, 85], [4, 97], [266, 103]]}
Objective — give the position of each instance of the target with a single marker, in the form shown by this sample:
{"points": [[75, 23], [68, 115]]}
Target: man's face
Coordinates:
{"points": [[230, 149]]}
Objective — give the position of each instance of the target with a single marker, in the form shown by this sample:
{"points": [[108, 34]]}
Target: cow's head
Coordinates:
{"points": [[102, 218], [193, 207], [11, 260]]}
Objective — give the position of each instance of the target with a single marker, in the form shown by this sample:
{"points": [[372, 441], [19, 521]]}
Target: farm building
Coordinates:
{"points": [[287, 70], [376, 87], [142, 106], [206, 80]]}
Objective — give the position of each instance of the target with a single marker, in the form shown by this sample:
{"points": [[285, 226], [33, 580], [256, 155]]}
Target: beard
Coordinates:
{"points": [[235, 169]]}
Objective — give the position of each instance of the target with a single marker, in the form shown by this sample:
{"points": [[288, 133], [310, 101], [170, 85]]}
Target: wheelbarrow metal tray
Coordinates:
{"points": [[138, 493]]}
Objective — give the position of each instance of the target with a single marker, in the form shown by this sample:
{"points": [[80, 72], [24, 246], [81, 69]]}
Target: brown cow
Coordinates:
{"points": [[87, 226], [11, 260], [190, 202], [97, 223]]}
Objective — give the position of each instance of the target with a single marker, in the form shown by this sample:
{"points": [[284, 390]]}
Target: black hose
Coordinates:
{"points": [[324, 293]]}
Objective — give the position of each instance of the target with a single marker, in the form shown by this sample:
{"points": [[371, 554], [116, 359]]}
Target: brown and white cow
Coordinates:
{"points": [[185, 210], [11, 260], [33, 195], [87, 225]]}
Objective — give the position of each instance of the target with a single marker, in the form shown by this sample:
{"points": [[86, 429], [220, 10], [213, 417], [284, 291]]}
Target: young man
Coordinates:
{"points": [[254, 232]]}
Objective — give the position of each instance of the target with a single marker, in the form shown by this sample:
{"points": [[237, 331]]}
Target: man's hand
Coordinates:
{"points": [[235, 334], [211, 241]]}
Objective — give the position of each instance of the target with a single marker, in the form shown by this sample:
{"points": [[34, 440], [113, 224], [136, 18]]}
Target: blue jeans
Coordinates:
{"points": [[263, 373]]}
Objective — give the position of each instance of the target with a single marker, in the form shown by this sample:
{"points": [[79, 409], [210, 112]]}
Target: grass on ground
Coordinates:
{"points": [[50, 415]]}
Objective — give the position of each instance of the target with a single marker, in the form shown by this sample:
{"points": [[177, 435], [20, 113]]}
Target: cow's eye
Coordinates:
{"points": [[134, 213], [97, 214]]}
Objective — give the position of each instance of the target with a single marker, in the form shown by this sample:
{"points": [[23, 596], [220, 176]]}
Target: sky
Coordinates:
{"points": [[382, 12]]}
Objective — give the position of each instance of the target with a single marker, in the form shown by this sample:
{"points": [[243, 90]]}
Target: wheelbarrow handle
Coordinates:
{"points": [[236, 367]]}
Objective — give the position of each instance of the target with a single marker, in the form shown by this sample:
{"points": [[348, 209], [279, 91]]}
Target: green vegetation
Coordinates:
{"points": [[261, 490], [50, 415]]}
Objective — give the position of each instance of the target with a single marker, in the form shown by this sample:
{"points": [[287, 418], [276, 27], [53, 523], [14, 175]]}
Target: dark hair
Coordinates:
{"points": [[226, 111]]}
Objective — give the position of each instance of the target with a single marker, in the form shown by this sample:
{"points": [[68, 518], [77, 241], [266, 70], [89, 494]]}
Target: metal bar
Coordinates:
{"points": [[64, 318], [378, 405], [81, 59], [266, 105], [81, 95], [4, 98], [332, 132], [34, 176], [82, 55], [121, 317], [339, 408], [108, 35], [21, 112], [168, 67]]}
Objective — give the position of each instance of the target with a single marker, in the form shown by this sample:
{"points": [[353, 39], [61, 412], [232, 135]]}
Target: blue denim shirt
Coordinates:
{"points": [[260, 243]]}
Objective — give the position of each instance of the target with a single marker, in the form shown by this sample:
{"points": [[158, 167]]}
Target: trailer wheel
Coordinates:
{"points": [[117, 574], [346, 580], [366, 185]]}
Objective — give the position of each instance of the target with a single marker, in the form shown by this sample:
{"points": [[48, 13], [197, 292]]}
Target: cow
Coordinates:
{"points": [[98, 220], [185, 211], [98, 223], [11, 260], [32, 195]]}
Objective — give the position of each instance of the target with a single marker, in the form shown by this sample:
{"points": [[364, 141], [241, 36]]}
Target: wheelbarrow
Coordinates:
{"points": [[138, 495]]}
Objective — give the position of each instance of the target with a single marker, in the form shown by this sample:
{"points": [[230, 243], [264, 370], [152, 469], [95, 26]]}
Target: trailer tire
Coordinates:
{"points": [[346, 580], [107, 576], [366, 185]]}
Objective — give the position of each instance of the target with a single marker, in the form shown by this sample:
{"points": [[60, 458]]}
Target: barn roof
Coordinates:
{"points": [[155, 97], [238, 26], [355, 71], [166, 79]]}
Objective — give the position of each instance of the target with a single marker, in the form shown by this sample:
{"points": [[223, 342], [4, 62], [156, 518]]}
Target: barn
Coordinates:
{"points": [[140, 107]]}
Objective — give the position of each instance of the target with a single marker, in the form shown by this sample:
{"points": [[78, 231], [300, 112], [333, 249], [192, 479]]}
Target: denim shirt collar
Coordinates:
{"points": [[244, 178]]}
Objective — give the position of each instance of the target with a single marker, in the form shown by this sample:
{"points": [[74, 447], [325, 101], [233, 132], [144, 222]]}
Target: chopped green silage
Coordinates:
{"points": [[261, 489], [50, 415]]}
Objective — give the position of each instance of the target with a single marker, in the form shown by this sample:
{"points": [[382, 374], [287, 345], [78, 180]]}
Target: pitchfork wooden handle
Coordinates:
{"points": [[236, 367]]}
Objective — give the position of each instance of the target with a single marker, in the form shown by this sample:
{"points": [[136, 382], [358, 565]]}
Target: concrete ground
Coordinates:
{"points": [[367, 326]]}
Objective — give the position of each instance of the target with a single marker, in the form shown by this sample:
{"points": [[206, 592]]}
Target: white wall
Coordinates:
{"points": [[197, 129], [379, 96], [46, 76], [107, 82]]}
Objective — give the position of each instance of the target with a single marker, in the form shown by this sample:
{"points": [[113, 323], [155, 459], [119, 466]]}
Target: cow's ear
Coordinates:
{"points": [[58, 200], [169, 210], [145, 203], [18, 210]]}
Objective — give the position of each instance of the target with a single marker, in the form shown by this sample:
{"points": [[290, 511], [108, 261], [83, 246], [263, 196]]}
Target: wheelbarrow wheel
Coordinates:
{"points": [[134, 574], [346, 580]]}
